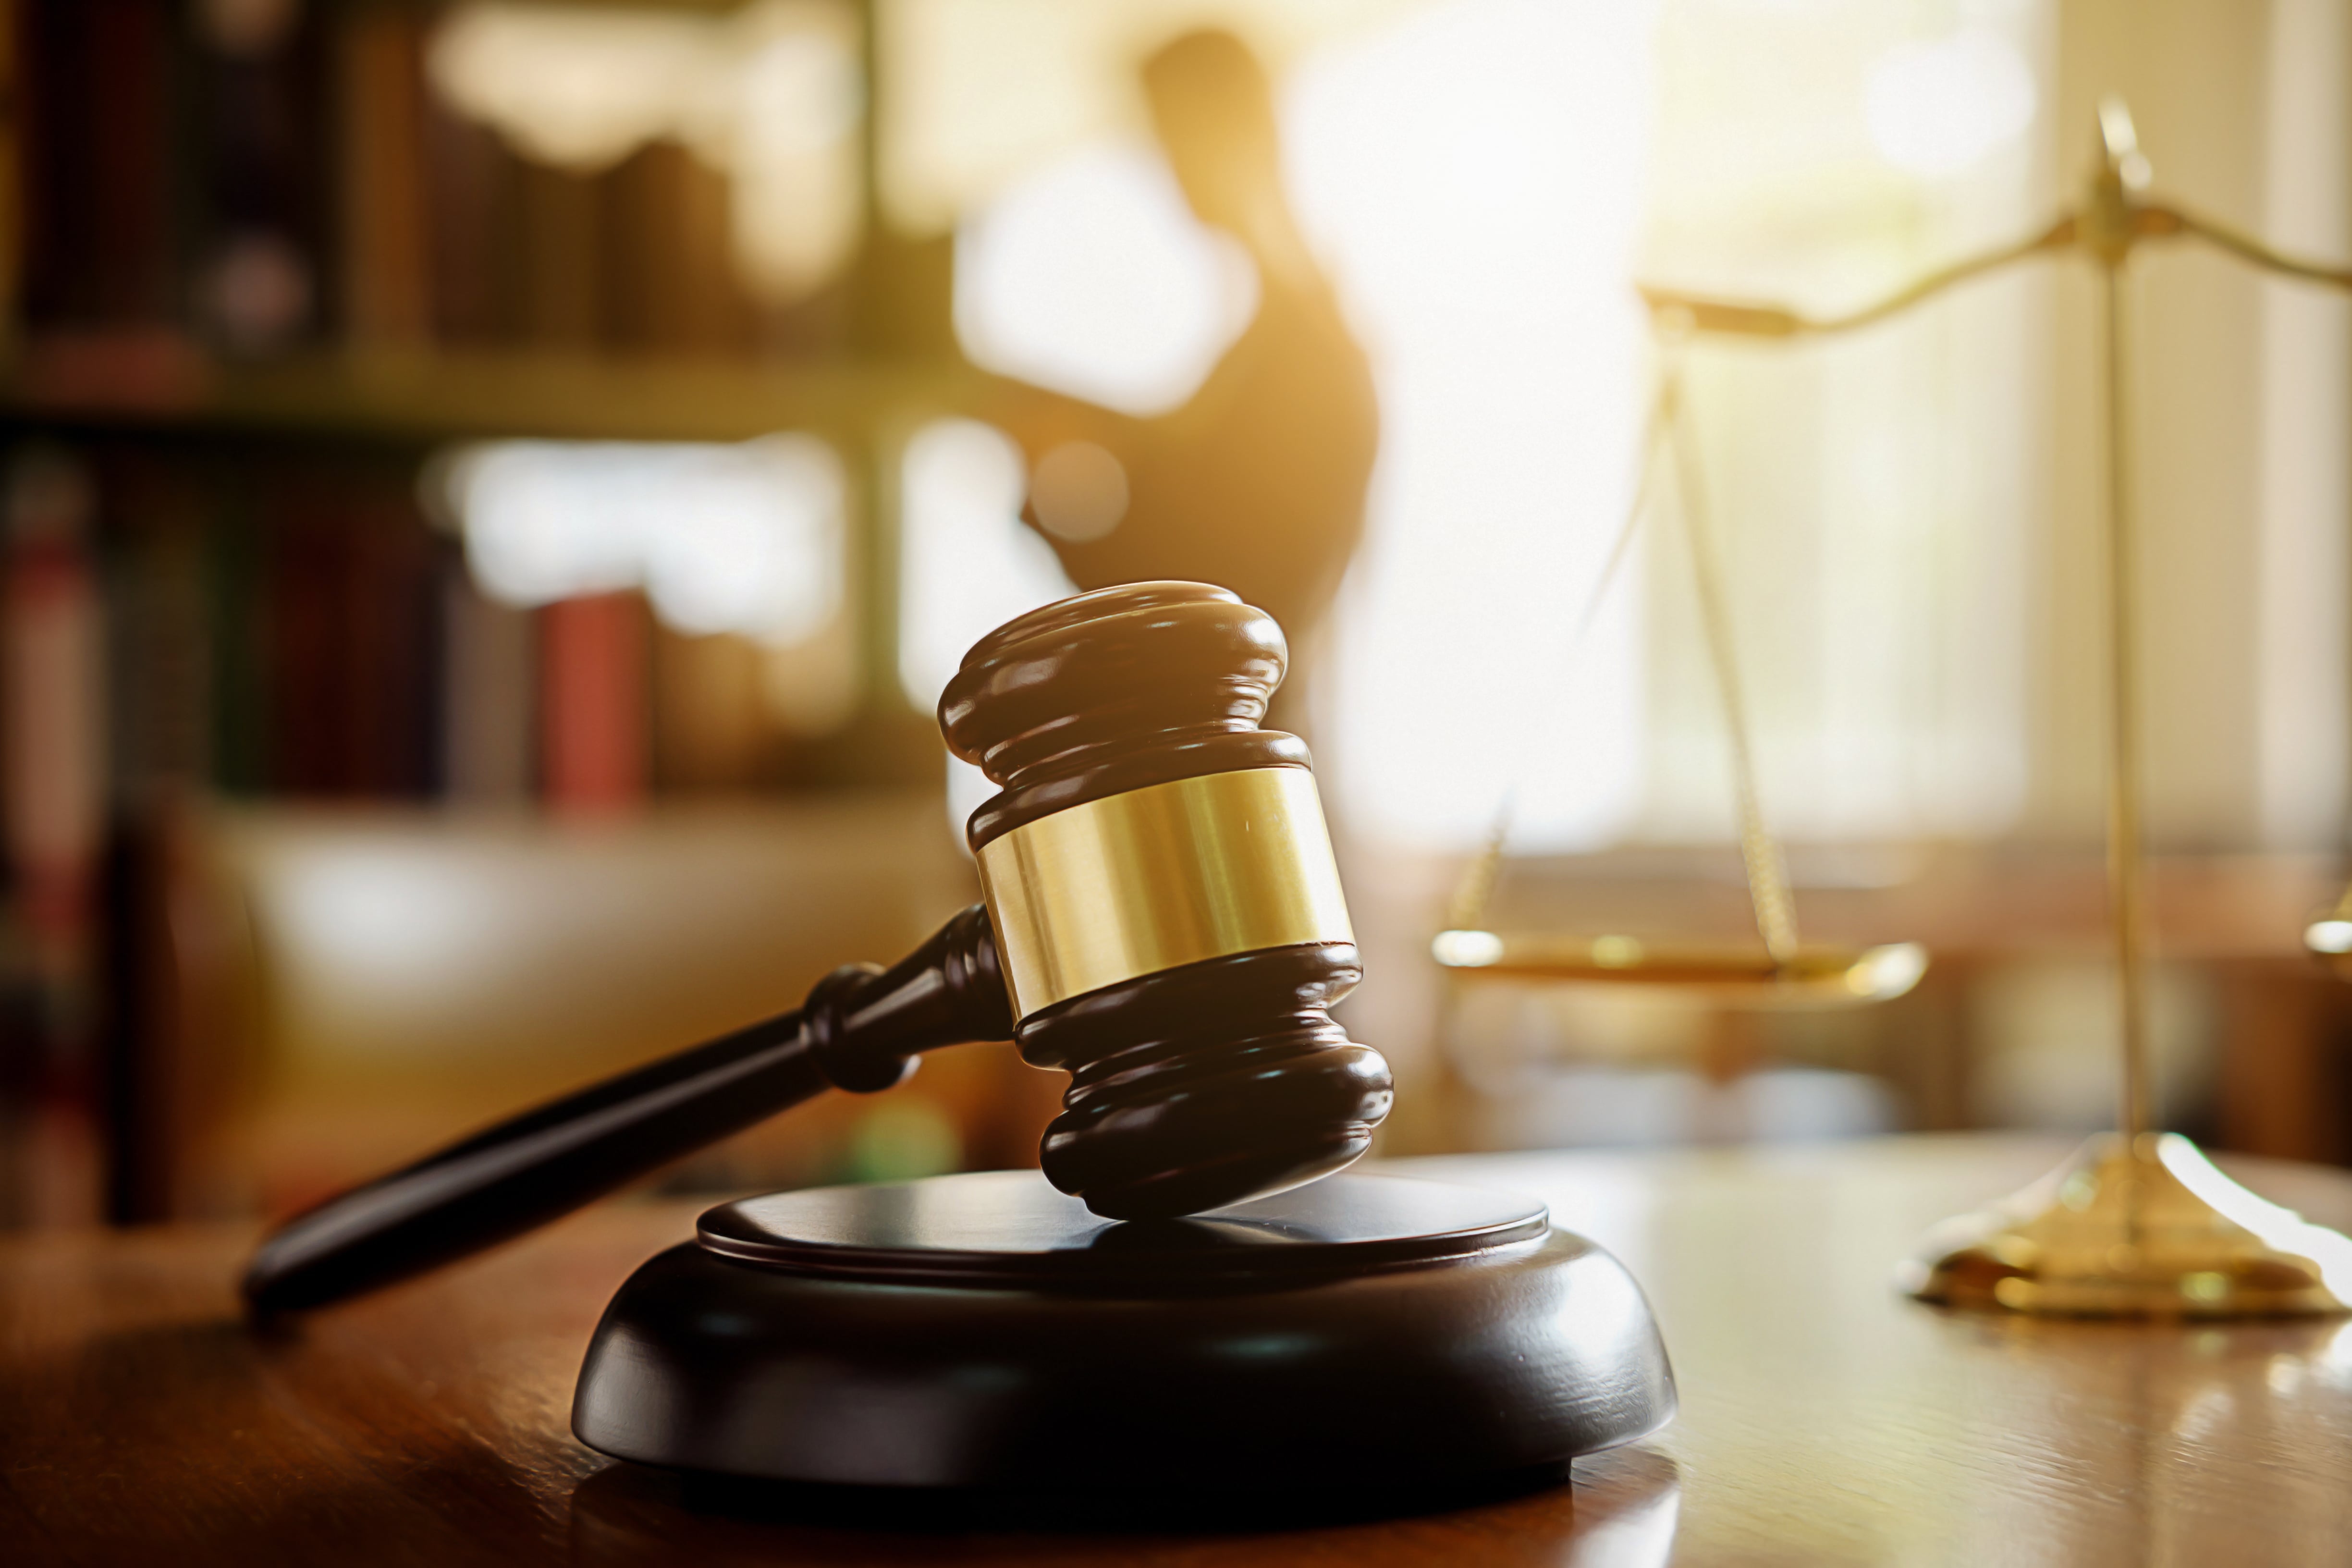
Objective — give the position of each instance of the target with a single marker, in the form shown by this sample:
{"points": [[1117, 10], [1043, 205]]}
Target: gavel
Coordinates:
{"points": [[1163, 920]]}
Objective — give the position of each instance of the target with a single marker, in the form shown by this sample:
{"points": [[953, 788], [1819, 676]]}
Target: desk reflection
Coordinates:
{"points": [[2178, 1421], [1617, 1510]]}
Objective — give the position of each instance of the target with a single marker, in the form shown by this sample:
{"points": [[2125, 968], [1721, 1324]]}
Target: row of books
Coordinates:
{"points": [[301, 185], [297, 628]]}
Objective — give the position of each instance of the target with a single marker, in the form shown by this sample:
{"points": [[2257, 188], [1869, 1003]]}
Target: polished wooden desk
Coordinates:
{"points": [[1824, 1420]]}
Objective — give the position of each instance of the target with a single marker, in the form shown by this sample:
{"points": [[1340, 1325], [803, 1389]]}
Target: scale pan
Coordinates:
{"points": [[1819, 976]]}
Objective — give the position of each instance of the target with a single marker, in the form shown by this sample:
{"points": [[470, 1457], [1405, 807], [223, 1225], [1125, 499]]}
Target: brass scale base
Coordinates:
{"points": [[2136, 1228]]}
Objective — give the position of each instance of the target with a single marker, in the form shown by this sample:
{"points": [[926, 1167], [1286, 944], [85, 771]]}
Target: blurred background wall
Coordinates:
{"points": [[493, 491]]}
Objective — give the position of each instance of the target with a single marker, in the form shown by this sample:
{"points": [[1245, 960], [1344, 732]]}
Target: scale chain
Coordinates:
{"points": [[1767, 867]]}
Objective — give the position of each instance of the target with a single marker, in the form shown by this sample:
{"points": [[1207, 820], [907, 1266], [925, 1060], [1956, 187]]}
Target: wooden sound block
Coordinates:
{"points": [[987, 1332]]}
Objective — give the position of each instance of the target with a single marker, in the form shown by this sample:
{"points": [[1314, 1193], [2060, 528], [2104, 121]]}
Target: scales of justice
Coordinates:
{"points": [[2137, 1222]]}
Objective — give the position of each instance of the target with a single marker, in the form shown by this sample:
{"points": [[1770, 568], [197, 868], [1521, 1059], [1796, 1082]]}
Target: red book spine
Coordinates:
{"points": [[592, 703]]}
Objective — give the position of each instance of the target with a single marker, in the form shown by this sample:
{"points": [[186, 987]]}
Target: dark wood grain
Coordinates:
{"points": [[1825, 1420]]}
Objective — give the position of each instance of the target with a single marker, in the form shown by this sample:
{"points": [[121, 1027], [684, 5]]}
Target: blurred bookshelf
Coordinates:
{"points": [[265, 267]]}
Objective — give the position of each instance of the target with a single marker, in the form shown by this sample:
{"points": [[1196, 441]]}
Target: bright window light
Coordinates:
{"points": [[769, 93], [781, 116], [971, 564], [579, 89], [1476, 176], [1091, 278], [1942, 105], [744, 539]]}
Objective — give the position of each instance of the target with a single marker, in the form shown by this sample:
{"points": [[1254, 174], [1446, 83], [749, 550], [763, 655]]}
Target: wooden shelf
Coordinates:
{"points": [[162, 387]]}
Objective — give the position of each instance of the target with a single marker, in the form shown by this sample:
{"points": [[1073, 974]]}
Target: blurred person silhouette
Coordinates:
{"points": [[1257, 482]]}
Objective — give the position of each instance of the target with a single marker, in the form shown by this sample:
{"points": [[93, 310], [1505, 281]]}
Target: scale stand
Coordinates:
{"points": [[2138, 1223]]}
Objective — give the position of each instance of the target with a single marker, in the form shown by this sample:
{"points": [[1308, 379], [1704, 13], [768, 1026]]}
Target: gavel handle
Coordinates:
{"points": [[857, 1030]]}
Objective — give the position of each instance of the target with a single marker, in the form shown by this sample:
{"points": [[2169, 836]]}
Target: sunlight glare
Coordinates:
{"points": [[1940, 106], [1091, 278], [745, 538]]}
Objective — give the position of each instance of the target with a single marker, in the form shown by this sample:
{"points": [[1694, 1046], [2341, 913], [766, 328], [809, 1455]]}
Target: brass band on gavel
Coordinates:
{"points": [[1153, 879]]}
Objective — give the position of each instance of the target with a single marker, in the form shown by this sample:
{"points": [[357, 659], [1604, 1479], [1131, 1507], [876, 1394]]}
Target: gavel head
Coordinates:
{"points": [[1164, 900]]}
